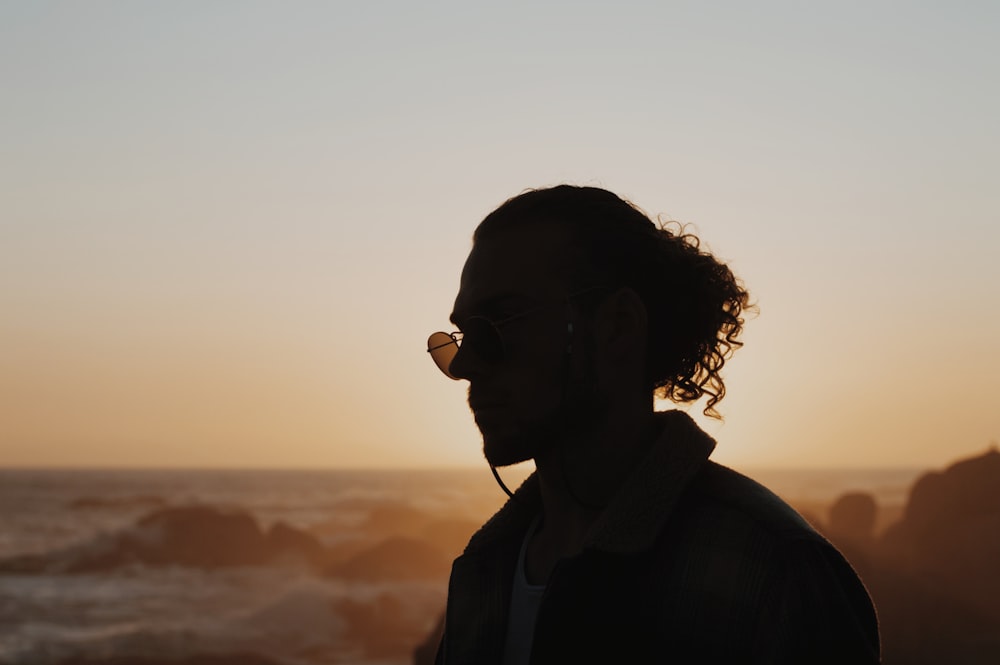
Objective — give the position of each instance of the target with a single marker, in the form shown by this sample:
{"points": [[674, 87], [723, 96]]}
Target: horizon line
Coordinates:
{"points": [[422, 468]]}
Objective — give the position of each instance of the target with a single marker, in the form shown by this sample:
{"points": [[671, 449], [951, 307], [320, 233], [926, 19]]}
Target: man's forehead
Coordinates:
{"points": [[516, 267]]}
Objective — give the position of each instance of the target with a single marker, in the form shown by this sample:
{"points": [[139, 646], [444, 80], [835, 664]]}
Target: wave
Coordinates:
{"points": [[262, 617], [200, 536]]}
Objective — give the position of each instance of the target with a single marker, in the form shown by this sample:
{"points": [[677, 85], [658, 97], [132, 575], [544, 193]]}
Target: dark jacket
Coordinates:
{"points": [[691, 562]]}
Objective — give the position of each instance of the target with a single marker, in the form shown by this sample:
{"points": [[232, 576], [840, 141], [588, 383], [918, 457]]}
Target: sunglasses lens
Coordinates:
{"points": [[443, 348]]}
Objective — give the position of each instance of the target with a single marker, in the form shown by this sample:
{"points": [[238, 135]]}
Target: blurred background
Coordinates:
{"points": [[227, 228]]}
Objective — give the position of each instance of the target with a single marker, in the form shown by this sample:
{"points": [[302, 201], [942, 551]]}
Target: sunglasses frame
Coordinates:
{"points": [[457, 336]]}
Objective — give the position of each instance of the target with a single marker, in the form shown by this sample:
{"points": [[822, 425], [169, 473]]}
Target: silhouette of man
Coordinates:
{"points": [[627, 545]]}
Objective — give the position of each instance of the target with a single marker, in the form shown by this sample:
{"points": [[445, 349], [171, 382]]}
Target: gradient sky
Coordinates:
{"points": [[226, 228]]}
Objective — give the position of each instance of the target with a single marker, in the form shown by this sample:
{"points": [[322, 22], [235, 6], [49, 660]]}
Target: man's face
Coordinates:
{"points": [[517, 399]]}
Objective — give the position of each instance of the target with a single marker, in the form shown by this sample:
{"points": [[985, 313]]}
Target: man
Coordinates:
{"points": [[627, 545]]}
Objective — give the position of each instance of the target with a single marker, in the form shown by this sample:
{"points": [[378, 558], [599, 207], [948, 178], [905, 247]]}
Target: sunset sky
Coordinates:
{"points": [[227, 228]]}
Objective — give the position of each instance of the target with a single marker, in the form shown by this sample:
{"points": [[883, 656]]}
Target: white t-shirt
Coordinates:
{"points": [[524, 602]]}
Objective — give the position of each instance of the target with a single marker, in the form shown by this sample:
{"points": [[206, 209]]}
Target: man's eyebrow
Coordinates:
{"points": [[492, 304]]}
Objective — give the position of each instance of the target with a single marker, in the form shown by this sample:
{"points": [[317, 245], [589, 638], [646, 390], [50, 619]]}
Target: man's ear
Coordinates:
{"points": [[622, 324]]}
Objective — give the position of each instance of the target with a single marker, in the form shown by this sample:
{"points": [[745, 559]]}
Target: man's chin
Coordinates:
{"points": [[505, 449], [506, 443]]}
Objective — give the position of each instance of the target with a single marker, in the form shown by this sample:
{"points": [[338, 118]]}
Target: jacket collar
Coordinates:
{"points": [[633, 519]]}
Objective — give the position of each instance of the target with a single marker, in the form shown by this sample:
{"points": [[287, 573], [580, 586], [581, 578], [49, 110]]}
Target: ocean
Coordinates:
{"points": [[295, 567]]}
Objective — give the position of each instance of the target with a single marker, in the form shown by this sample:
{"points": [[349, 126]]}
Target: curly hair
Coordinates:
{"points": [[694, 302]]}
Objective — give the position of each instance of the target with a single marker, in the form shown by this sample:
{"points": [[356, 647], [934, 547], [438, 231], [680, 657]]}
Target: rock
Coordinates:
{"points": [[950, 532], [196, 536], [395, 559], [201, 536], [853, 516], [426, 651], [450, 535], [196, 659], [395, 518], [285, 542], [386, 627]]}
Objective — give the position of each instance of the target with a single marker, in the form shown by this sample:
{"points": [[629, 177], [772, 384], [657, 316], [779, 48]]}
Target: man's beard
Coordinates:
{"points": [[516, 442]]}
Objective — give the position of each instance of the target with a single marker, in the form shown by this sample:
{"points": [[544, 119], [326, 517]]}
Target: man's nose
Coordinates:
{"points": [[466, 364]]}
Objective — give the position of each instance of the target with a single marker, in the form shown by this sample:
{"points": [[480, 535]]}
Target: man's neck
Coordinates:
{"points": [[578, 478]]}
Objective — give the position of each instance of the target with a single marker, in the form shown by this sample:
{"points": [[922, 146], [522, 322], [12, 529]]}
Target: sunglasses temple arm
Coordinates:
{"points": [[496, 475]]}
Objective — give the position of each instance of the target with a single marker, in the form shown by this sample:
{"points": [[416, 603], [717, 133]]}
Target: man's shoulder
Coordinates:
{"points": [[728, 518], [741, 502]]}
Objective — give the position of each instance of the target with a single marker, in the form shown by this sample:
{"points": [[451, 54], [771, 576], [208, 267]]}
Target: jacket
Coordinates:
{"points": [[691, 562]]}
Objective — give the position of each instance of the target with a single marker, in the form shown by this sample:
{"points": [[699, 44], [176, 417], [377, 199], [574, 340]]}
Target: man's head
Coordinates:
{"points": [[595, 306], [523, 345]]}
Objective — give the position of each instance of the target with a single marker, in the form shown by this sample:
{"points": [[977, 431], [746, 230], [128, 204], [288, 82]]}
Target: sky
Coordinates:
{"points": [[227, 228]]}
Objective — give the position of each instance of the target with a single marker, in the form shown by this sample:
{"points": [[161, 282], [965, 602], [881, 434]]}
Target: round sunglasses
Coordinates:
{"points": [[483, 336]]}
